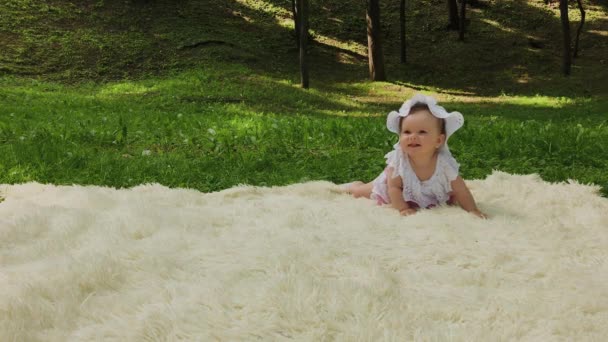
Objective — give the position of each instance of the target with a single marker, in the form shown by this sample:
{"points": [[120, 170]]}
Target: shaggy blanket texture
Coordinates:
{"points": [[302, 262]]}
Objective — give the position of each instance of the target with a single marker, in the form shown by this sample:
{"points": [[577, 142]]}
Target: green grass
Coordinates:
{"points": [[213, 128], [104, 92], [107, 40]]}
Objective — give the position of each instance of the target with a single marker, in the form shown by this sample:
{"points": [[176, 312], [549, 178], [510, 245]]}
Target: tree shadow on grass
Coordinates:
{"points": [[513, 50], [505, 63], [116, 39]]}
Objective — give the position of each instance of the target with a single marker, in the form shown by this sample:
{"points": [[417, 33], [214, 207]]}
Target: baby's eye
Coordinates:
{"points": [[423, 132], [406, 132]]}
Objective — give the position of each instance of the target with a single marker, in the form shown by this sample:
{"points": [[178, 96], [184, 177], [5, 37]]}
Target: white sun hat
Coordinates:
{"points": [[453, 120]]}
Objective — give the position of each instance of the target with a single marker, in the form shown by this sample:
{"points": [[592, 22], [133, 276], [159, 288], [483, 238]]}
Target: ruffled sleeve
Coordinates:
{"points": [[394, 159], [449, 168]]}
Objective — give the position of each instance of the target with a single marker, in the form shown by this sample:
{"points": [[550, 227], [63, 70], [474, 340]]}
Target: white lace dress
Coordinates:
{"points": [[425, 194]]}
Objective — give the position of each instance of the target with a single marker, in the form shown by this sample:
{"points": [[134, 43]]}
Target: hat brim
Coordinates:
{"points": [[453, 120]]}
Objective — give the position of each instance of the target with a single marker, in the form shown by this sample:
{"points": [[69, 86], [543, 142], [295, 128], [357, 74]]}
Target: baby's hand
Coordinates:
{"points": [[479, 214], [407, 212]]}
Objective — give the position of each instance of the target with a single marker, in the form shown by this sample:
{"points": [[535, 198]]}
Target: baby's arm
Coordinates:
{"points": [[464, 197], [395, 193]]}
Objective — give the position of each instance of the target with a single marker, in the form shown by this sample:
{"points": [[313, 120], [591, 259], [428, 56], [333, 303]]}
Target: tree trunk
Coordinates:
{"points": [[567, 61], [453, 13], [580, 27], [294, 10], [463, 6], [374, 44], [402, 31], [302, 8]]}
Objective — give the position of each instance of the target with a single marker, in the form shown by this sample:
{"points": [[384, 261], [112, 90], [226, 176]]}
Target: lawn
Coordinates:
{"points": [[105, 93]]}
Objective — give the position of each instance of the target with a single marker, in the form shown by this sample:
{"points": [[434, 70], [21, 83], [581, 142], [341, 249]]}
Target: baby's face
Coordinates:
{"points": [[420, 134]]}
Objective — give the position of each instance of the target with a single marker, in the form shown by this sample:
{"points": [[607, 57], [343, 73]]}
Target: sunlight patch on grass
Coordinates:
{"points": [[381, 94], [430, 90], [497, 25], [39, 92], [126, 88], [284, 18], [537, 101], [599, 32], [266, 8], [241, 15], [521, 101], [286, 23], [352, 113], [360, 49], [352, 46]]}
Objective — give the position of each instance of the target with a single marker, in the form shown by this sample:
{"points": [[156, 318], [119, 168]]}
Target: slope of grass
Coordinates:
{"points": [[111, 39]]}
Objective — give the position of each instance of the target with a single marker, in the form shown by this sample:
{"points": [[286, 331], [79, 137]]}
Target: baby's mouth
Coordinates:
{"points": [[413, 145]]}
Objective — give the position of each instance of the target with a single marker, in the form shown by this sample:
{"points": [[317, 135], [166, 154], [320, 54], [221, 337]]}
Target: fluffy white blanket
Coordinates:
{"points": [[301, 262]]}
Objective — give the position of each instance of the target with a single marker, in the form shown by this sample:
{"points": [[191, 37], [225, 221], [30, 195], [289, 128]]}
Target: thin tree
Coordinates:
{"points": [[463, 5], [294, 12], [580, 27], [453, 15], [302, 8], [567, 61], [402, 31], [374, 43]]}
